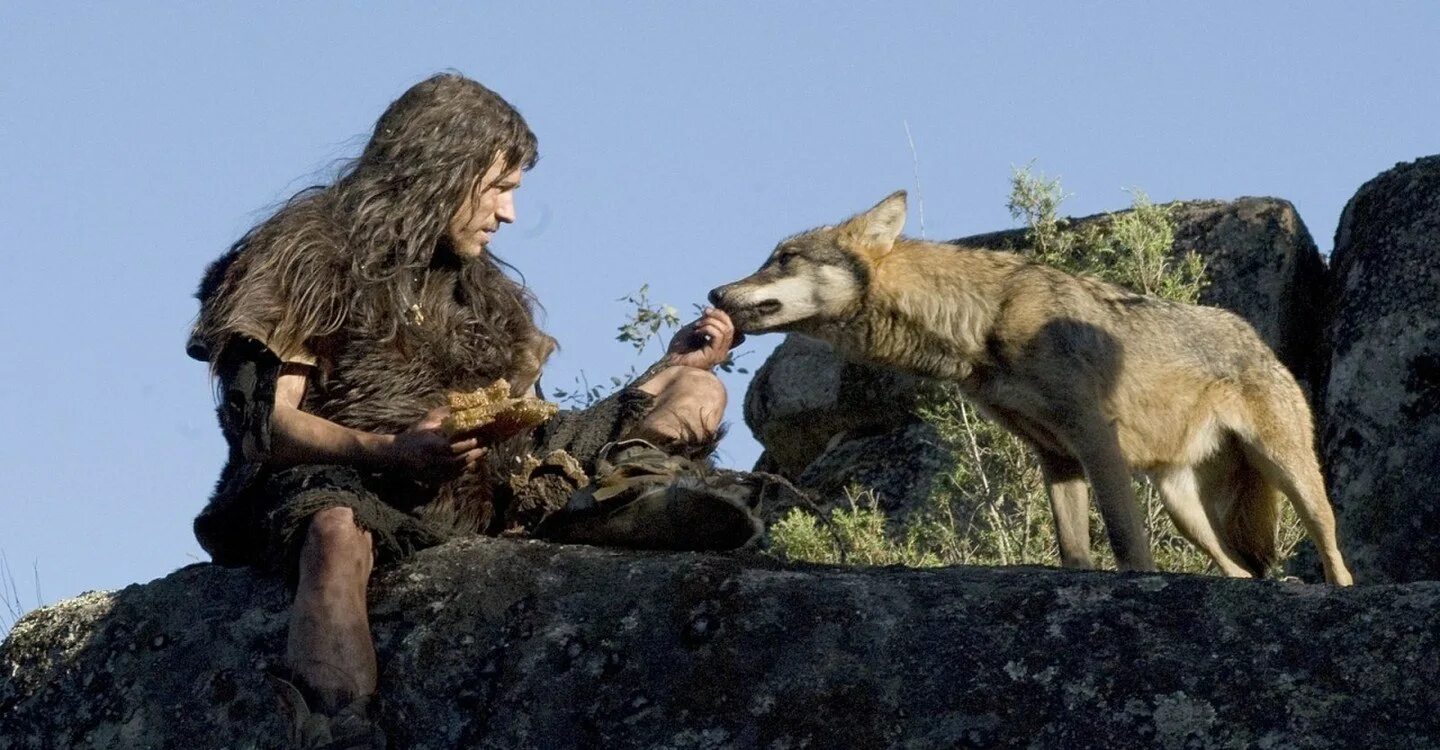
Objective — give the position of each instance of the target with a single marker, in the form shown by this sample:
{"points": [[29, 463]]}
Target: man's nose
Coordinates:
{"points": [[505, 210]]}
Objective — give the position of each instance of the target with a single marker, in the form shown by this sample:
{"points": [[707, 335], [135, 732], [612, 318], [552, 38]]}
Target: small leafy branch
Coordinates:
{"points": [[648, 321], [855, 535]]}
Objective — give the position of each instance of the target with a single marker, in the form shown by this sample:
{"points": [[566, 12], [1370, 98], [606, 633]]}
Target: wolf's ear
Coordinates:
{"points": [[878, 228]]}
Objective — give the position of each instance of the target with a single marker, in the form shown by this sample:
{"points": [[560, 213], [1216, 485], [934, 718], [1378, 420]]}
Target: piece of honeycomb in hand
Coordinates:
{"points": [[491, 413], [524, 413], [496, 392]]}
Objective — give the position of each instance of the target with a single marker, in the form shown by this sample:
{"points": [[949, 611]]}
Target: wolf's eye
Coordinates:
{"points": [[785, 258]]}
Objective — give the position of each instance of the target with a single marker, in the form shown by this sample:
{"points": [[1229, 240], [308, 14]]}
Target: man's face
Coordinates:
{"points": [[488, 205]]}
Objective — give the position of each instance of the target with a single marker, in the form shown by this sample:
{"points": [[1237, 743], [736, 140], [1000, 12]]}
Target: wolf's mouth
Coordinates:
{"points": [[752, 318], [768, 307]]}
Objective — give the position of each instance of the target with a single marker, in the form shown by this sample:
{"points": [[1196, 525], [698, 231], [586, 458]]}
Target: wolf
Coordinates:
{"points": [[1101, 382]]}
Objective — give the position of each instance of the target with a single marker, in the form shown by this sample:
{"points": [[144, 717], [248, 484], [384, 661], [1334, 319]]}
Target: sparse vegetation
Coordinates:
{"points": [[12, 608], [648, 321], [856, 535], [991, 509]]}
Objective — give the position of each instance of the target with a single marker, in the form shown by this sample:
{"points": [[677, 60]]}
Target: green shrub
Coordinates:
{"points": [[854, 535]]}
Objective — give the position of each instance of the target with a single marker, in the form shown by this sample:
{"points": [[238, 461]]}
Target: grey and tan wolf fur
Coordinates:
{"points": [[1101, 382]]}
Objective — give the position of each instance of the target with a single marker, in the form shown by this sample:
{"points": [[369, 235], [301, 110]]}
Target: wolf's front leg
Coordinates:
{"points": [[1070, 502], [1098, 450]]}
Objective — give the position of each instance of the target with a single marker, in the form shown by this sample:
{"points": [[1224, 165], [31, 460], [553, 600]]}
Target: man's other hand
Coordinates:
{"points": [[706, 342], [424, 449]]}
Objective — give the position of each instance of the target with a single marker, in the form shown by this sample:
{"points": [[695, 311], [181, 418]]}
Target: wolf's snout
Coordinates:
{"points": [[740, 304]]}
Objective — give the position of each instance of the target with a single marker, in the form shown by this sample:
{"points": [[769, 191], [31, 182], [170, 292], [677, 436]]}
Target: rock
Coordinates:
{"points": [[899, 465], [1264, 267], [804, 395], [805, 401], [502, 643], [1381, 414]]}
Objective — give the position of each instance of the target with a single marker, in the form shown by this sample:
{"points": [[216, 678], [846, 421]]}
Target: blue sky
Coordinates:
{"points": [[679, 142]]}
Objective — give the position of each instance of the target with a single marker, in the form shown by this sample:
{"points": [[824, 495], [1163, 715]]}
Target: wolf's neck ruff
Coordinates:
{"points": [[926, 310]]}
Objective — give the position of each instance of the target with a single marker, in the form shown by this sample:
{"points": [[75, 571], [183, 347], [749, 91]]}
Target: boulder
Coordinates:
{"points": [[1262, 265], [503, 643], [804, 395], [1381, 410], [805, 405], [901, 465]]}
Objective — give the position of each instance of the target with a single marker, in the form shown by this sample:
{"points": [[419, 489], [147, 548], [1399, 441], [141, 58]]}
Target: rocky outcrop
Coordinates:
{"points": [[1262, 265], [903, 462], [500, 643], [1381, 442], [804, 395], [817, 415]]}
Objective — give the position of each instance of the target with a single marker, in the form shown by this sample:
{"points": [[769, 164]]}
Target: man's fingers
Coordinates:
{"points": [[467, 459], [720, 319], [718, 314], [727, 325], [710, 329], [464, 446], [714, 332]]}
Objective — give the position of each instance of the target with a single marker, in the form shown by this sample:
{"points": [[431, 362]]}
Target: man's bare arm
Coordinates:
{"points": [[297, 437]]}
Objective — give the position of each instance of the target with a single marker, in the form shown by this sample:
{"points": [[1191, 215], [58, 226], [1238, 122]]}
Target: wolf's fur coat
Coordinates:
{"points": [[1101, 382]]}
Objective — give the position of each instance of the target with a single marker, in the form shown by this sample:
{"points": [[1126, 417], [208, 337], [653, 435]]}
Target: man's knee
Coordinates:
{"points": [[702, 386], [689, 383], [689, 404], [334, 535]]}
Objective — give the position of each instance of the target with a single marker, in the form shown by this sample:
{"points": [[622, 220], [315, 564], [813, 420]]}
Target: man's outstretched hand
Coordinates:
{"points": [[706, 342]]}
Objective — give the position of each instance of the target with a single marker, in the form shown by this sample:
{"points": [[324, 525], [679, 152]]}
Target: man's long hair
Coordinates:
{"points": [[361, 245]]}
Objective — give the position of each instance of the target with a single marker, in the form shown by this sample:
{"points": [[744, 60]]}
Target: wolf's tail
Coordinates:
{"points": [[1252, 521]]}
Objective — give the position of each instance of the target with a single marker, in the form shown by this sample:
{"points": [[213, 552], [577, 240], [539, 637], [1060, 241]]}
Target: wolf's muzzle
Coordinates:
{"points": [[745, 312], [723, 298]]}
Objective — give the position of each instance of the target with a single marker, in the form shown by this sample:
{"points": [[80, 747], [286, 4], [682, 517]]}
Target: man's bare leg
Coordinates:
{"points": [[330, 648], [689, 406]]}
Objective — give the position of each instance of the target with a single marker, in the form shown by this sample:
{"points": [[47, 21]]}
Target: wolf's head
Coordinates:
{"points": [[815, 278]]}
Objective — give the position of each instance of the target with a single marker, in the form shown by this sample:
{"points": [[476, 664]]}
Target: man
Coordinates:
{"points": [[337, 326]]}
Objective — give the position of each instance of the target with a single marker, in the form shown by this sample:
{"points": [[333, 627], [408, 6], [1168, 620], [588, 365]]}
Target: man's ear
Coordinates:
{"points": [[877, 229]]}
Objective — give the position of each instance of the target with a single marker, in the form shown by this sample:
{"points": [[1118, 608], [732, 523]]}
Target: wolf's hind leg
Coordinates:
{"points": [[1098, 450], [1288, 463], [1070, 502], [1180, 492]]}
